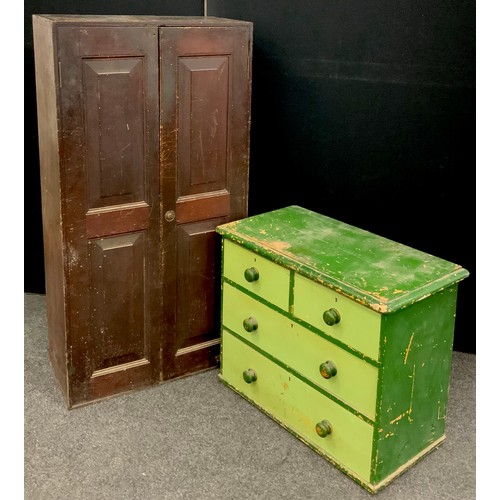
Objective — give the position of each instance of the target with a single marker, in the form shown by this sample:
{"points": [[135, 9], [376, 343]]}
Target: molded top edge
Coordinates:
{"points": [[145, 20], [375, 271]]}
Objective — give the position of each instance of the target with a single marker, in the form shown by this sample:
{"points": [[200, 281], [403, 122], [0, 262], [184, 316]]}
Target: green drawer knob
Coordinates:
{"points": [[250, 324], [251, 274], [324, 428], [331, 317], [249, 376], [327, 369]]}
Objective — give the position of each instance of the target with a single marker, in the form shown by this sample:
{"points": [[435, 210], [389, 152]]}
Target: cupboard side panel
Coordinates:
{"points": [[46, 94], [239, 122]]}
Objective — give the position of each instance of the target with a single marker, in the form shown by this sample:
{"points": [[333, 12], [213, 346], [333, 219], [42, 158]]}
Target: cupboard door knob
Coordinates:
{"points": [[327, 369], [249, 376], [251, 274], [169, 215], [324, 428], [250, 324], [331, 317]]}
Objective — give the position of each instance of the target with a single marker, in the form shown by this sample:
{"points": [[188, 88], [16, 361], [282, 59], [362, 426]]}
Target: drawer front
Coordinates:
{"points": [[299, 406], [355, 381], [359, 327], [273, 283]]}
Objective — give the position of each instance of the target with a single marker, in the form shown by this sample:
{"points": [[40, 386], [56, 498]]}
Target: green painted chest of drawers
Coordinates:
{"points": [[341, 336]]}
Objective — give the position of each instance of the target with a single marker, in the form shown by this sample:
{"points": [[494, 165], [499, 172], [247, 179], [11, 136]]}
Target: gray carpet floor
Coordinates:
{"points": [[193, 438]]}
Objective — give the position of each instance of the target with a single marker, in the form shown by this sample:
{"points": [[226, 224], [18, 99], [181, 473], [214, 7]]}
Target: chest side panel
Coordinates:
{"points": [[416, 349]]}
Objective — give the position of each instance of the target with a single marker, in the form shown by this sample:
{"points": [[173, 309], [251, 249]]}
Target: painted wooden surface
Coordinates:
{"points": [[108, 119], [300, 406], [272, 282], [144, 139], [204, 127], [359, 327], [375, 271], [355, 381], [390, 370], [416, 350]]}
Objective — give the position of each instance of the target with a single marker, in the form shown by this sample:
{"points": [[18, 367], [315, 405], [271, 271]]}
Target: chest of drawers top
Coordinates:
{"points": [[372, 270]]}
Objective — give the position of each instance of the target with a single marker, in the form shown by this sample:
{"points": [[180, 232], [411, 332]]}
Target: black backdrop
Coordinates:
{"points": [[34, 278], [363, 111]]}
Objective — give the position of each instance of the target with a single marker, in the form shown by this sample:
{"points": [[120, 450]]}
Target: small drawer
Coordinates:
{"points": [[298, 406], [357, 326], [257, 274], [354, 381]]}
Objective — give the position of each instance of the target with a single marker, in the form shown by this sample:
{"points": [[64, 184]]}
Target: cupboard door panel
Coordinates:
{"points": [[109, 156], [198, 297], [114, 126], [203, 97], [117, 301]]}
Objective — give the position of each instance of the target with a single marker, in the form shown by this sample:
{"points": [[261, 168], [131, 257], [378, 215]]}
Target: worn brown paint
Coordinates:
{"points": [[102, 222], [204, 125], [138, 116]]}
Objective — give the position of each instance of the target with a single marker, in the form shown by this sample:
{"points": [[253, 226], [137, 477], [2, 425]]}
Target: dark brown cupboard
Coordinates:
{"points": [[144, 144]]}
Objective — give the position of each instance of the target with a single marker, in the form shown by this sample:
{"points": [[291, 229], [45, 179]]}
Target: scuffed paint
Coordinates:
{"points": [[396, 275], [408, 348], [414, 295]]}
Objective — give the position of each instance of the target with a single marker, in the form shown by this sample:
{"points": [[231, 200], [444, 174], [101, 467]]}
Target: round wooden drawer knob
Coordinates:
{"points": [[331, 317], [249, 376], [251, 274], [250, 324], [324, 428], [327, 369]]}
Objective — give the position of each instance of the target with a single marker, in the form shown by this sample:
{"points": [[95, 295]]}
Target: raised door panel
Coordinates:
{"points": [[198, 298], [117, 301], [114, 125], [203, 132], [109, 148], [204, 117]]}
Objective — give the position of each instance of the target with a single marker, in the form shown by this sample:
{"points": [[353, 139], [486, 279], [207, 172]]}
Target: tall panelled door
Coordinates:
{"points": [[144, 140]]}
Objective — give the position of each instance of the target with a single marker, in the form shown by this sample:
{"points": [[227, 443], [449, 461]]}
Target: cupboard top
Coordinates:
{"points": [[374, 271], [104, 20]]}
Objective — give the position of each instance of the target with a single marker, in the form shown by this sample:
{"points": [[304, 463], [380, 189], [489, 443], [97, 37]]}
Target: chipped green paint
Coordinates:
{"points": [[355, 382], [358, 326], [281, 393], [273, 281], [303, 323], [416, 349], [396, 352], [377, 272]]}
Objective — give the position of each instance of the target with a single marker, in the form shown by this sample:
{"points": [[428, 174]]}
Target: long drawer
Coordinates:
{"points": [[299, 407], [355, 380]]}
